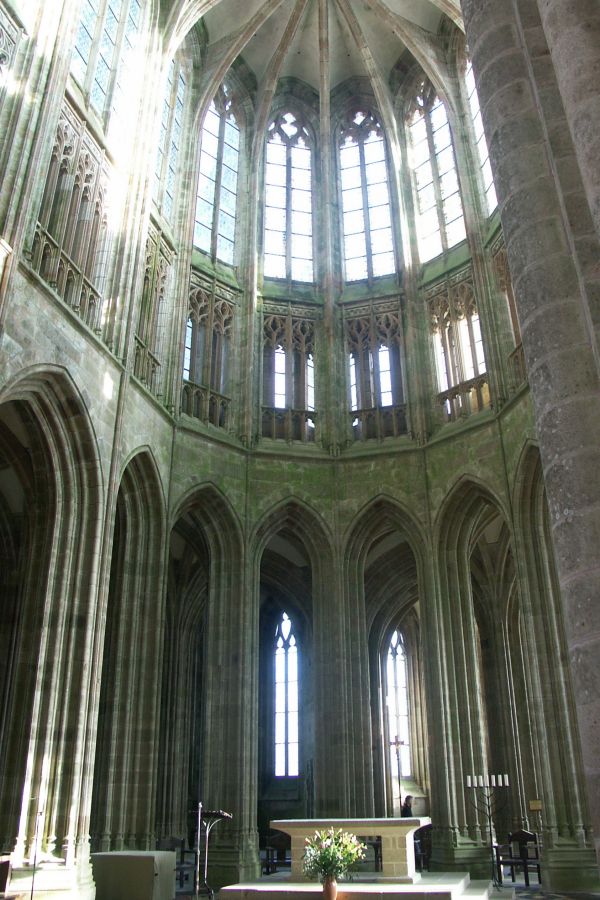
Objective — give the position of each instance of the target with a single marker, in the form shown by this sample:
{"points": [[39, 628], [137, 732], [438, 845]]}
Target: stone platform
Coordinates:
{"points": [[438, 886]]}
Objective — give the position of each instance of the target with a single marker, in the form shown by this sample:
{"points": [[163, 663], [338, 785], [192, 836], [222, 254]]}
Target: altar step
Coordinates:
{"points": [[437, 886]]}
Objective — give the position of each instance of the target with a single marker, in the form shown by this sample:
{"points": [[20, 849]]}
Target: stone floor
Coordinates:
{"points": [[536, 892]]}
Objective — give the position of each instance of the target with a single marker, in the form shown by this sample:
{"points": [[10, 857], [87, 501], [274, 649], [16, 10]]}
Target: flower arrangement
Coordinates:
{"points": [[329, 854]]}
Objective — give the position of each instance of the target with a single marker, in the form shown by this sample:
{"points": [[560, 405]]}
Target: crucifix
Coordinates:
{"points": [[397, 743]]}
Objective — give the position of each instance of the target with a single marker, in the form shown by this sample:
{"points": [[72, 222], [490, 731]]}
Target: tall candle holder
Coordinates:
{"points": [[485, 801]]}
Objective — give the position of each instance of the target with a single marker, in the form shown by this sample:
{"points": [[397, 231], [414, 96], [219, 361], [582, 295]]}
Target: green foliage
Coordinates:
{"points": [[330, 854]]}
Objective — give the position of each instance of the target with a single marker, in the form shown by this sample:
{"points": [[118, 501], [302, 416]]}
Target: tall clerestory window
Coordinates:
{"points": [[481, 144], [169, 144], [286, 699], [367, 226], [398, 708], [439, 212], [216, 203], [288, 233], [103, 60]]}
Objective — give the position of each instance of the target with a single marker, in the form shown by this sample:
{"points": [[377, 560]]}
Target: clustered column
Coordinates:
{"points": [[562, 370]]}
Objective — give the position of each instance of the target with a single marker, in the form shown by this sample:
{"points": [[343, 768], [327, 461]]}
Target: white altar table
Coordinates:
{"points": [[397, 848]]}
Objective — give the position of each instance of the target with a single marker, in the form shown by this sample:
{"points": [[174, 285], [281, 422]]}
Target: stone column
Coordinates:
{"points": [[562, 370], [572, 29]]}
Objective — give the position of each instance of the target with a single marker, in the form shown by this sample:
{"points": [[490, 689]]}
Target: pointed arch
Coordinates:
{"points": [[215, 514], [56, 630], [126, 757], [385, 574], [301, 520]]}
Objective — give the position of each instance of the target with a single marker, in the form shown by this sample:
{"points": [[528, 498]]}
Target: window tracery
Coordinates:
{"points": [[209, 331], [151, 327], [374, 343], [368, 246], [165, 170], [288, 377], [440, 220], [458, 347], [70, 243], [288, 231], [216, 203]]}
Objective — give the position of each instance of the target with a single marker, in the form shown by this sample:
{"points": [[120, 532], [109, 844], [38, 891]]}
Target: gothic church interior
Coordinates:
{"points": [[299, 420]]}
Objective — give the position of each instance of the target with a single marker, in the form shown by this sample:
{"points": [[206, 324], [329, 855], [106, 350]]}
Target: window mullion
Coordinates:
{"points": [[288, 211], [116, 59], [289, 363], [208, 344], [439, 203], [472, 346], [218, 178], [366, 213], [90, 73], [169, 130], [450, 370]]}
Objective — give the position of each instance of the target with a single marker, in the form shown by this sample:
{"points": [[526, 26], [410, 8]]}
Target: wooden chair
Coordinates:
{"points": [[184, 867], [521, 852], [422, 839]]}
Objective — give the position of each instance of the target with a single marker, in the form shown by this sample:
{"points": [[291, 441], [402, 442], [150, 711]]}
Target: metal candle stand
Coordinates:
{"points": [[206, 820], [488, 805]]}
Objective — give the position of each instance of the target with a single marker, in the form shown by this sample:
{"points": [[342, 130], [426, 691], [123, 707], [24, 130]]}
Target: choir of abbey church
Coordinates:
{"points": [[299, 425]]}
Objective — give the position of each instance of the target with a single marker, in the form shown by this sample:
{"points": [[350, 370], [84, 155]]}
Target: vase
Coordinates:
{"points": [[329, 889]]}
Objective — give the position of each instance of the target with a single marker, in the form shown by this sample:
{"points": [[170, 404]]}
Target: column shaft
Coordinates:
{"points": [[562, 371]]}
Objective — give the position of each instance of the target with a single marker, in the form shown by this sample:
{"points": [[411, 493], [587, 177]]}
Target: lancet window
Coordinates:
{"points": [[398, 708], [208, 336], [491, 200], [216, 202], [288, 232], [367, 226], [458, 348], [286, 699], [440, 222], [103, 56], [70, 245], [150, 332], [169, 144], [288, 378], [374, 342]]}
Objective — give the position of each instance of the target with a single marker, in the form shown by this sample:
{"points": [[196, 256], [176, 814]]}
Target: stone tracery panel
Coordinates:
{"points": [[458, 348], [151, 330], [374, 341], [288, 411], [212, 310], [69, 248]]}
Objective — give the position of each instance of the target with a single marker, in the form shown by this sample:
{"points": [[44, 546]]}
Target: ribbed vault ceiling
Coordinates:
{"points": [[320, 42]]}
